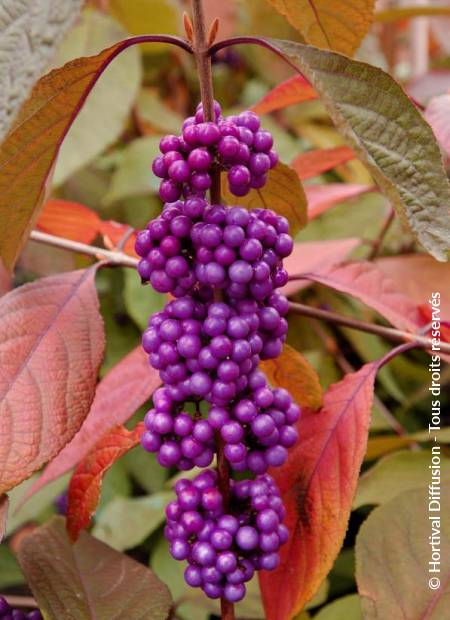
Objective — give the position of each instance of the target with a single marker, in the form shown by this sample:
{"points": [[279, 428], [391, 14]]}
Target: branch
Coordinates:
{"points": [[200, 48], [112, 257], [120, 258], [390, 333]]}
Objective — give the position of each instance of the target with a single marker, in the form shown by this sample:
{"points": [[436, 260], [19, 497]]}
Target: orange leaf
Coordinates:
{"points": [[114, 232], [317, 485], [312, 163], [120, 393], [29, 151], [294, 90], [70, 220], [293, 372], [51, 348], [339, 25], [86, 482]]}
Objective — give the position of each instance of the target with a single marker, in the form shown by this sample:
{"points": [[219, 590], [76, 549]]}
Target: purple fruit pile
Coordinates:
{"points": [[235, 144], [222, 264], [224, 548], [8, 613]]}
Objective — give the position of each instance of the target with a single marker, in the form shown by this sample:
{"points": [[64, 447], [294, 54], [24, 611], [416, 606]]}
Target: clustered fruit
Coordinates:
{"points": [[235, 144], [225, 547], [8, 613], [222, 266]]}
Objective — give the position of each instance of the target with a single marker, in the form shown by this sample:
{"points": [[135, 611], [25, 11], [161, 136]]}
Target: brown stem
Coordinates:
{"points": [[200, 48], [113, 257], [378, 242], [390, 333]]}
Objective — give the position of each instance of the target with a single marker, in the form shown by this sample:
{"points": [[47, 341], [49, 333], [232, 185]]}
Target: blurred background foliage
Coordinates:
{"points": [[104, 164]]}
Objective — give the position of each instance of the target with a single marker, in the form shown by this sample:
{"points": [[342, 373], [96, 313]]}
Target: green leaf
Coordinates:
{"points": [[126, 522], [133, 176], [10, 573], [145, 469], [395, 473], [36, 506], [152, 111], [31, 31], [141, 301], [387, 132], [392, 555], [115, 483], [103, 117], [283, 193], [147, 17], [345, 608], [88, 578]]}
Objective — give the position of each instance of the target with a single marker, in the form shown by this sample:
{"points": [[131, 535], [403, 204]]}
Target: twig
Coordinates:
{"points": [[20, 601], [120, 258], [331, 346], [200, 47], [390, 333], [378, 242], [114, 257]]}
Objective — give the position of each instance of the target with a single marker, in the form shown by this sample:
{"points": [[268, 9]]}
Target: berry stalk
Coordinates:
{"points": [[200, 46]]}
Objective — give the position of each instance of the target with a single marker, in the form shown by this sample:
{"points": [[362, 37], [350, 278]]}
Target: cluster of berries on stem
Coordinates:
{"points": [[8, 613], [222, 266]]}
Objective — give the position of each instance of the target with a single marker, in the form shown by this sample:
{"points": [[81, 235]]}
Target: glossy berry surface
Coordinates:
{"points": [[236, 145], [224, 548], [222, 265]]}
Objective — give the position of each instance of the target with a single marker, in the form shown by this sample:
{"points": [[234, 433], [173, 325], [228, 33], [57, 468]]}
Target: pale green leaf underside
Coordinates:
{"points": [[389, 134]]}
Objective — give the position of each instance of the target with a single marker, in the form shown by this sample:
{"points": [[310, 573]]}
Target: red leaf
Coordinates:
{"points": [[428, 85], [86, 482], [312, 163], [315, 256], [120, 393], [317, 484], [114, 232], [51, 347], [373, 287], [427, 314], [294, 90], [417, 276], [70, 220], [437, 114], [323, 197], [4, 504]]}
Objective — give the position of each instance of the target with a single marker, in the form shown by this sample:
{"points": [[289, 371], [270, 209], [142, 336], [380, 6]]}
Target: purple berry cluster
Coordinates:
{"points": [[228, 248], [223, 548], [8, 613], [235, 144], [222, 265]]}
